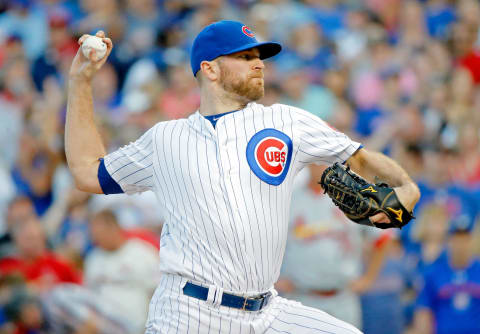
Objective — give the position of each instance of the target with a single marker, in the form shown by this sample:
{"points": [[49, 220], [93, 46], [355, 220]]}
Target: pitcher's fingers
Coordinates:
{"points": [[109, 43], [100, 34], [83, 38], [380, 218], [93, 56]]}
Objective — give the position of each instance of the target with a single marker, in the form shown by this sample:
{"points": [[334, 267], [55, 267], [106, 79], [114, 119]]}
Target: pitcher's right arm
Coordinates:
{"points": [[83, 144]]}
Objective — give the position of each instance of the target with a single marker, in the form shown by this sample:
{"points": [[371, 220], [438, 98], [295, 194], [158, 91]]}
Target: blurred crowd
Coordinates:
{"points": [[400, 76]]}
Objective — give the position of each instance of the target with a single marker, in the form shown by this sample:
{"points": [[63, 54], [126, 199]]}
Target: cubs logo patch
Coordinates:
{"points": [[247, 31], [269, 152]]}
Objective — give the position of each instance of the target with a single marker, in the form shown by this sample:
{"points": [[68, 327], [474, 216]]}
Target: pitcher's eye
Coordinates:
{"points": [[247, 57]]}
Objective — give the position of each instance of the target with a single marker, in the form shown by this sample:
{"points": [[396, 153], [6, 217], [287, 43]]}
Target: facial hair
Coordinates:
{"points": [[249, 88]]}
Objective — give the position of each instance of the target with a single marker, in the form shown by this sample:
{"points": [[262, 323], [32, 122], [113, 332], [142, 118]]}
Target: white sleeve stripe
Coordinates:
{"points": [[308, 162], [134, 158], [143, 179], [316, 137], [139, 170], [336, 153], [312, 155], [139, 151], [131, 162], [337, 134]]}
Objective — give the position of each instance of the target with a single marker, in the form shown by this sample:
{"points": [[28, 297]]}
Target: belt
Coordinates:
{"points": [[245, 304], [324, 293]]}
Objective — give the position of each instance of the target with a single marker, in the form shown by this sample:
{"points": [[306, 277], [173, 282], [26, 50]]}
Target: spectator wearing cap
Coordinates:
{"points": [[29, 21], [449, 301], [61, 49], [437, 188], [439, 15]]}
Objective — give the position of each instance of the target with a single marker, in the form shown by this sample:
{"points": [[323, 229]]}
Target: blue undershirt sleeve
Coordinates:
{"points": [[107, 183]]}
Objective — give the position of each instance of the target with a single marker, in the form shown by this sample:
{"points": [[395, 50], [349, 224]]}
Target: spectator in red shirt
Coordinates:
{"points": [[465, 52], [33, 261]]}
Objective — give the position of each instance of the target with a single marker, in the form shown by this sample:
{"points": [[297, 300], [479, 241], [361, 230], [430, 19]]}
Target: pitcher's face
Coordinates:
{"points": [[241, 73]]}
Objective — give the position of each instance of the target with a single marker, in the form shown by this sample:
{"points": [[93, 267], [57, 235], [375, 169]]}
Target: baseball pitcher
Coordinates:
{"points": [[223, 178]]}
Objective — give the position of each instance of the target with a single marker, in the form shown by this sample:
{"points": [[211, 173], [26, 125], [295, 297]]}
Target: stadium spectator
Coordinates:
{"points": [[322, 266], [449, 301], [28, 20], [120, 276], [33, 261]]}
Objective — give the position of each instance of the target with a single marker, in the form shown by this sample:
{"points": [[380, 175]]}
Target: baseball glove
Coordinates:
{"points": [[360, 200]]}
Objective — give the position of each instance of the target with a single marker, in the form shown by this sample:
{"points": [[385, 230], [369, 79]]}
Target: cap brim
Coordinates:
{"points": [[267, 49], [460, 231]]}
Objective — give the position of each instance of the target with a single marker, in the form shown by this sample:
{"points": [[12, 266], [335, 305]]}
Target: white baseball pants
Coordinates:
{"points": [[173, 312]]}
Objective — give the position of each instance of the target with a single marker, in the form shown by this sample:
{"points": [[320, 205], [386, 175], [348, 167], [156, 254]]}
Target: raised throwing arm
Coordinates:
{"points": [[83, 143]]}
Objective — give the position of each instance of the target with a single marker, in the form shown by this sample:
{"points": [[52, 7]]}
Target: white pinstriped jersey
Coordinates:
{"points": [[225, 191]]}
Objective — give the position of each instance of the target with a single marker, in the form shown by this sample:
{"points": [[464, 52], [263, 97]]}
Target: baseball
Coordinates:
{"points": [[94, 43]]}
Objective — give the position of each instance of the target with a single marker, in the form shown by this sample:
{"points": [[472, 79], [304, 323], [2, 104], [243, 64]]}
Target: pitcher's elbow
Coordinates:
{"points": [[86, 179], [80, 184]]}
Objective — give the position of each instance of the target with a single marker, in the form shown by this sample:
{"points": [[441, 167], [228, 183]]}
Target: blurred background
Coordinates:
{"points": [[400, 76]]}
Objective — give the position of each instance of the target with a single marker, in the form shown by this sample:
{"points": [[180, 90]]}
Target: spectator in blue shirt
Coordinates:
{"points": [[449, 301]]}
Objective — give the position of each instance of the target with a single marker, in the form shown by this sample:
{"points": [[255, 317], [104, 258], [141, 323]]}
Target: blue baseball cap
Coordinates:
{"points": [[226, 37], [463, 222]]}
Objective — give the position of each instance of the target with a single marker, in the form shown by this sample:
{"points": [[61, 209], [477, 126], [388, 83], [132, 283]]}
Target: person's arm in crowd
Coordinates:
{"points": [[54, 216], [83, 143], [59, 210], [422, 322], [374, 165], [374, 264], [424, 317]]}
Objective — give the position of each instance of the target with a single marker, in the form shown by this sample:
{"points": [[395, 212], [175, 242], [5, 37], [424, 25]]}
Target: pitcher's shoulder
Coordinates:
{"points": [[172, 122], [162, 127]]}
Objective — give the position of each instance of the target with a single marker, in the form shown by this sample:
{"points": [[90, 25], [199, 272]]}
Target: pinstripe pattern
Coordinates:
{"points": [[223, 224], [194, 316]]}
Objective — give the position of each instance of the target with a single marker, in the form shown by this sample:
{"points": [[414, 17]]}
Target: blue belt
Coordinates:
{"points": [[246, 304]]}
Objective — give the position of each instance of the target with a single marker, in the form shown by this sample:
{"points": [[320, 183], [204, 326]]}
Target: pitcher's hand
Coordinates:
{"points": [[83, 68]]}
